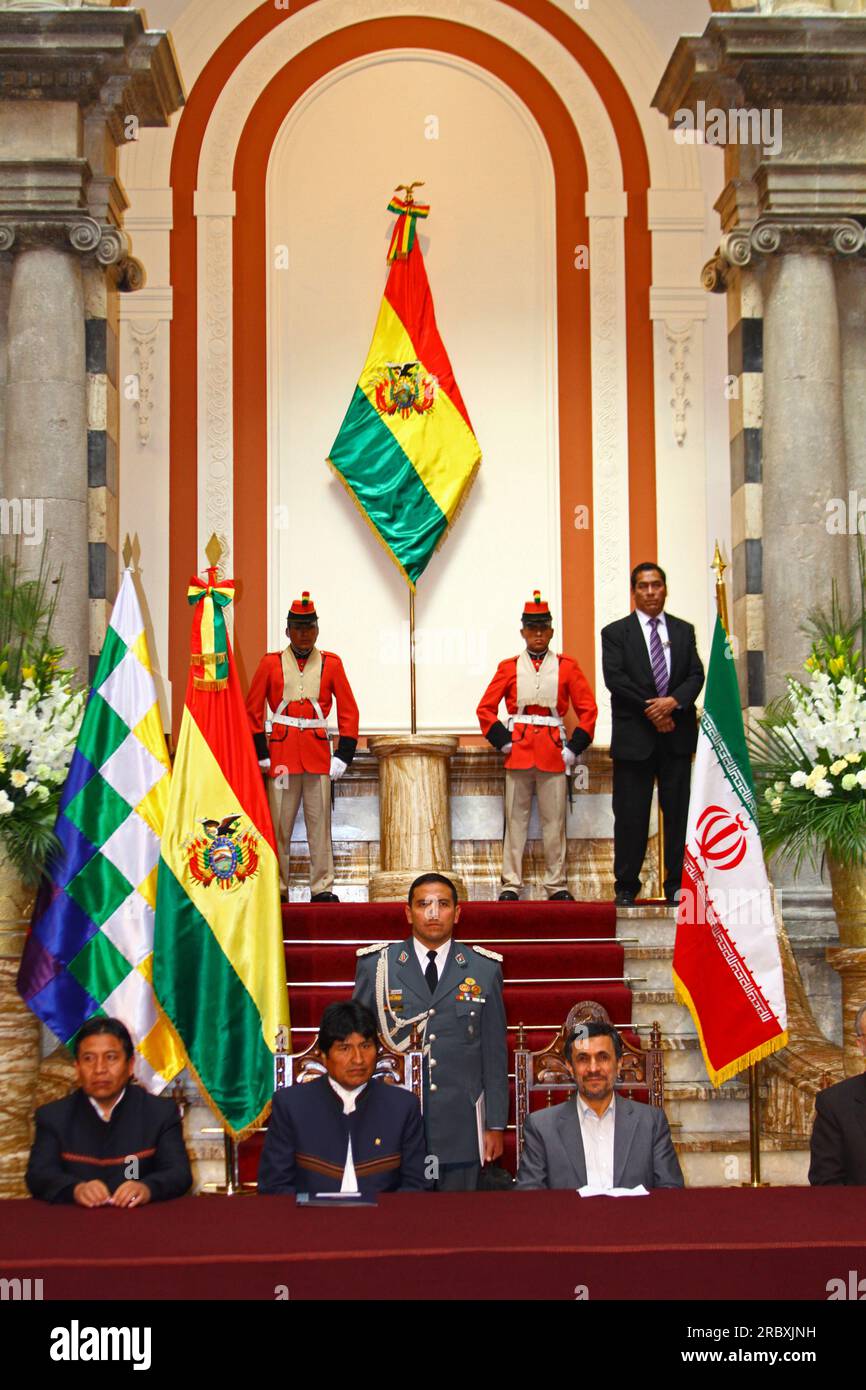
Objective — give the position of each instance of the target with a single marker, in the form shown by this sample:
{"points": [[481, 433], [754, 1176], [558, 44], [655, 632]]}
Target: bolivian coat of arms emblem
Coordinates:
{"points": [[223, 854], [405, 388]]}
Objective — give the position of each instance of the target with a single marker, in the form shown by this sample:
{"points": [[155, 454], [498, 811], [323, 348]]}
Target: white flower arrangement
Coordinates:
{"points": [[38, 731], [809, 752]]}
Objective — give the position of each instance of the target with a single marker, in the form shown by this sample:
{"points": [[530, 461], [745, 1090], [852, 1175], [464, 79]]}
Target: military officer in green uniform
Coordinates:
{"points": [[453, 994]]}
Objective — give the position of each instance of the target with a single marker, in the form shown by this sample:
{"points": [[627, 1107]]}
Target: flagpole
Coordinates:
{"points": [[412, 703], [719, 566]]}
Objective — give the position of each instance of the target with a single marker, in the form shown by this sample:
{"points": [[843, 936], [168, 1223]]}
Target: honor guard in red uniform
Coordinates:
{"points": [[537, 686], [299, 686]]}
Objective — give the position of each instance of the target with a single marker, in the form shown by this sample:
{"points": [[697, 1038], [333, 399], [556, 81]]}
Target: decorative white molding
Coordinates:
{"points": [[215, 400], [150, 210], [679, 343], [142, 337], [606, 203], [631, 47], [674, 301], [676, 210], [214, 202], [610, 483], [288, 39], [152, 302]]}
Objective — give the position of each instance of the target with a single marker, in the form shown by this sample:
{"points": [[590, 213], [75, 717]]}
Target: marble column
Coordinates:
{"points": [[46, 428], [5, 283], [414, 816], [851, 298], [850, 964], [804, 453]]}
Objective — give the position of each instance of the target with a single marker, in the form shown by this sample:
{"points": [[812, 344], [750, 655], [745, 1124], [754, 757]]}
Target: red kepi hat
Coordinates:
{"points": [[302, 612], [536, 613]]}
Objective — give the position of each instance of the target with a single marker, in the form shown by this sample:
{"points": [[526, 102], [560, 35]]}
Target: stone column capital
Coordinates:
{"points": [[746, 246], [780, 59], [103, 58], [98, 243], [107, 244]]}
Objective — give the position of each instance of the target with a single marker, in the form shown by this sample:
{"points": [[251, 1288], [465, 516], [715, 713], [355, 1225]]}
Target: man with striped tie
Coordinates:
{"points": [[654, 675]]}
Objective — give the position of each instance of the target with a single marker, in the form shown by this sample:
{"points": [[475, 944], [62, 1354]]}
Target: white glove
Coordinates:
{"points": [[265, 764], [568, 758], [506, 749], [338, 767]]}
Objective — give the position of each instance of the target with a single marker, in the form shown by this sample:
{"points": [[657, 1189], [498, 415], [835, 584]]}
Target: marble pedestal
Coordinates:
{"points": [[414, 813]]}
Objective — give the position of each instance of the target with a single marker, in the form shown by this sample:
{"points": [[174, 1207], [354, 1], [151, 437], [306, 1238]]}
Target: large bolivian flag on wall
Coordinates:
{"points": [[406, 451], [219, 970]]}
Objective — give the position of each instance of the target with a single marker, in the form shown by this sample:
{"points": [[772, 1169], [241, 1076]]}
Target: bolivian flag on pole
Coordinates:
{"points": [[727, 967], [406, 451], [219, 970]]}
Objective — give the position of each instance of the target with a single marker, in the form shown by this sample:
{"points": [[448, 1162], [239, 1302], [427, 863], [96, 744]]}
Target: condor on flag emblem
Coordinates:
{"points": [[222, 853], [404, 389]]}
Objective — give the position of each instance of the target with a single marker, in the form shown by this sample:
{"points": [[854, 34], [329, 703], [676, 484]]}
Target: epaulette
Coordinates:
{"points": [[368, 950], [483, 951]]}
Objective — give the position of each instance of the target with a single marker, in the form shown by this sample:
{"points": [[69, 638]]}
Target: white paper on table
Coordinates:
{"points": [[481, 1124], [587, 1191]]}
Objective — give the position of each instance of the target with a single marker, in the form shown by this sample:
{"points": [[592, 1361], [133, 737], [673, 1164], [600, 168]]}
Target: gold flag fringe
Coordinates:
{"points": [[757, 1054], [449, 522], [237, 1134], [362, 509], [206, 683]]}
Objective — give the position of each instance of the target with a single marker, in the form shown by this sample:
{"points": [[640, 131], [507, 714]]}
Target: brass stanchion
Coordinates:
{"points": [[755, 1128]]}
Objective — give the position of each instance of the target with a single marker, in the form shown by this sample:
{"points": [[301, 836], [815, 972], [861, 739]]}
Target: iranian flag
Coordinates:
{"points": [[727, 968]]}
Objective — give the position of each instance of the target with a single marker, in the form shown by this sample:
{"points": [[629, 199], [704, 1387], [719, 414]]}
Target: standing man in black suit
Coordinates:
{"points": [[654, 675], [839, 1133]]}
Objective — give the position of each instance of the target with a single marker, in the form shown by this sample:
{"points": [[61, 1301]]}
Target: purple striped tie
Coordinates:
{"points": [[657, 658]]}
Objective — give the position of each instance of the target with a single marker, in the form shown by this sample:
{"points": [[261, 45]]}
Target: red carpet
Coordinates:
{"points": [[554, 955]]}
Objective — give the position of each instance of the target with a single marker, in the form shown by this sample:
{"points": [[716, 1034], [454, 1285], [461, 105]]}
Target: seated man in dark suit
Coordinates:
{"points": [[597, 1139], [344, 1132], [110, 1143], [654, 674], [839, 1133]]}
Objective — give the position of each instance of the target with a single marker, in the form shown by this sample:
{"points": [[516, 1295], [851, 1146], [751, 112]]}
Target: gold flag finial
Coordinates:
{"points": [[214, 550], [127, 551], [719, 565], [407, 189]]}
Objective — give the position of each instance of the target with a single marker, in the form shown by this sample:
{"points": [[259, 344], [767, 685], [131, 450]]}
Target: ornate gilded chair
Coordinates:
{"points": [[640, 1070], [394, 1068]]}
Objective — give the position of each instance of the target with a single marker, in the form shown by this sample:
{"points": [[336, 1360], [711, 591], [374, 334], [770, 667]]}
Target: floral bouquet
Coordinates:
{"points": [[40, 713], [809, 751]]}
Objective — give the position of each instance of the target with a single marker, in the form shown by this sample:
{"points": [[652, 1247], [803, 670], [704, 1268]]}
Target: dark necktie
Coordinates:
{"points": [[431, 974], [657, 659]]}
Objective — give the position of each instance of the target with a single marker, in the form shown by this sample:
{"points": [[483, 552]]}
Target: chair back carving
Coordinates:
{"points": [[640, 1069], [393, 1068]]}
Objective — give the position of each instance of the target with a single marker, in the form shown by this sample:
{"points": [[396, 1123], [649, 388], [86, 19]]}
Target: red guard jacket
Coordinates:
{"points": [[302, 750], [535, 745]]}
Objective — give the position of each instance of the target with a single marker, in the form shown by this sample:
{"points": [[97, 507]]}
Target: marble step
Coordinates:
{"points": [[683, 1059], [652, 965], [722, 1117], [660, 1006], [723, 1160], [653, 926]]}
